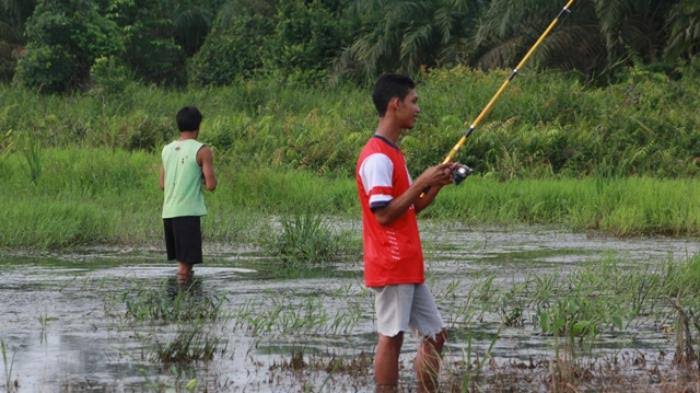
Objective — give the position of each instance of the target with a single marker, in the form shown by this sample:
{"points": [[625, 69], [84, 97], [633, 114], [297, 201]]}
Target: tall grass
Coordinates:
{"points": [[547, 123], [89, 196]]}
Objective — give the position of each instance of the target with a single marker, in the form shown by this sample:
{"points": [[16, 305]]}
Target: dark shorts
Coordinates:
{"points": [[183, 239]]}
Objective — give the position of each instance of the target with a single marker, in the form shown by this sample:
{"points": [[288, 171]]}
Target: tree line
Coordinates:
{"points": [[64, 45]]}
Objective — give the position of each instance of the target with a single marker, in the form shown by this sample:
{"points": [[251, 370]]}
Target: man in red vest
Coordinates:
{"points": [[393, 257]]}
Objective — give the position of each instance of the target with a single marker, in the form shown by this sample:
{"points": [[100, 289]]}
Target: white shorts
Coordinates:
{"points": [[400, 307]]}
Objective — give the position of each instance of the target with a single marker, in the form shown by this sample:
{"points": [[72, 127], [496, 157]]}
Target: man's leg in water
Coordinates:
{"points": [[184, 272], [428, 362], [386, 363]]}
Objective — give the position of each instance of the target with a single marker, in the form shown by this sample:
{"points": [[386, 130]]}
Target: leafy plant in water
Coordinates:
{"points": [[171, 304], [8, 365], [305, 240], [192, 343]]}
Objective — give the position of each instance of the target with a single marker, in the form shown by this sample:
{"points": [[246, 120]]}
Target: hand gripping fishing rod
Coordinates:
{"points": [[462, 172]]}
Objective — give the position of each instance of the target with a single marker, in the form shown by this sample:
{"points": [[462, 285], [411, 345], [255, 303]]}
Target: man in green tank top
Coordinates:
{"points": [[188, 166]]}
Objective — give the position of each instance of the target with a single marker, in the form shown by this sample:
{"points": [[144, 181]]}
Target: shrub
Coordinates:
{"points": [[232, 49], [305, 240], [109, 76], [64, 38], [148, 30]]}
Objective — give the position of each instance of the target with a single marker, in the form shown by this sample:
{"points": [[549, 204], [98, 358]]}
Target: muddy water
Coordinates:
{"points": [[63, 317]]}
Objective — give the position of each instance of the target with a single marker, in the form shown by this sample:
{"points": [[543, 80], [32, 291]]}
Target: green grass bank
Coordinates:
{"points": [[547, 124], [82, 196]]}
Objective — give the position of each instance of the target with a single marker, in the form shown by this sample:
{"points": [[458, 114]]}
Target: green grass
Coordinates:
{"points": [[103, 196], [547, 123]]}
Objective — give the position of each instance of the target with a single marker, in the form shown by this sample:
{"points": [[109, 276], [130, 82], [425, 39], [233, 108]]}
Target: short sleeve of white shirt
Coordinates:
{"points": [[376, 172]]}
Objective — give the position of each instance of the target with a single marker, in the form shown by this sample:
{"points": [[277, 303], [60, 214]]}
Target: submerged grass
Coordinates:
{"points": [[181, 319], [306, 240], [171, 303]]}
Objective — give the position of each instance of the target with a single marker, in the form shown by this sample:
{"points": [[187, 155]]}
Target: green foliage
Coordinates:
{"points": [[294, 40], [306, 240], [307, 37], [407, 35], [64, 39], [170, 303], [217, 42], [109, 76], [47, 69], [684, 37], [31, 150], [80, 195], [148, 31], [13, 15], [186, 309], [547, 123], [231, 50]]}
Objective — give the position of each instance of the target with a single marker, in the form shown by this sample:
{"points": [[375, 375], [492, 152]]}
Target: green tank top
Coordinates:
{"points": [[183, 180]]}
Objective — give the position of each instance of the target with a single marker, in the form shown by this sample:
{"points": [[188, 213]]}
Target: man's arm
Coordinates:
{"points": [[205, 157], [432, 179], [162, 178], [428, 196]]}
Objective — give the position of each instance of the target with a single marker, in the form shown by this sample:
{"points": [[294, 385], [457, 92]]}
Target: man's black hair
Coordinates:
{"points": [[188, 119], [389, 86]]}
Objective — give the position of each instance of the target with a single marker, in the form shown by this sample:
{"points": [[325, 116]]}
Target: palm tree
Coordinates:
{"points": [[403, 36], [684, 30], [598, 36]]}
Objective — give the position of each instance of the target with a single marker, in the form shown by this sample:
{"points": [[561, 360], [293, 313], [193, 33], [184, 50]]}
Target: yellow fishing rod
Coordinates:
{"points": [[463, 171]]}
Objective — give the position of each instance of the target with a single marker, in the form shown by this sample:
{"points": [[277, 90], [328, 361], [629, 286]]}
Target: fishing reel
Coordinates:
{"points": [[461, 172]]}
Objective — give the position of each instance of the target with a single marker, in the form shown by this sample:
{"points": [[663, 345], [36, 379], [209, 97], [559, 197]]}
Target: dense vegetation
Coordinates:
{"points": [[602, 132], [548, 124], [101, 196], [53, 45], [622, 158]]}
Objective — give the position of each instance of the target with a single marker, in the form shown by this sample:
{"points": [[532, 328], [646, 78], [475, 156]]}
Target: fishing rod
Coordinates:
{"points": [[463, 171]]}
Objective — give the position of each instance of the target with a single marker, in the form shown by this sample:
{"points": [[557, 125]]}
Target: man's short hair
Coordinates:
{"points": [[389, 86], [188, 119]]}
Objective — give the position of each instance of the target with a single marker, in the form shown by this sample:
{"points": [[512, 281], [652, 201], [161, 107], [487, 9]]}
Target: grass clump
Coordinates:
{"points": [[305, 240], [169, 303], [182, 320], [191, 343]]}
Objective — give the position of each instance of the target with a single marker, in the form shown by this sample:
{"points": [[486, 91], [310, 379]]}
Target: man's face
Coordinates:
{"points": [[408, 110]]}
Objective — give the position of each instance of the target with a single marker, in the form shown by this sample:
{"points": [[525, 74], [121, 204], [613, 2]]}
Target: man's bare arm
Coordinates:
{"points": [[162, 178], [205, 157], [432, 179]]}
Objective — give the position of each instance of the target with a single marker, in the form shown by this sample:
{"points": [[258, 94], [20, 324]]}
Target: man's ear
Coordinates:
{"points": [[394, 103]]}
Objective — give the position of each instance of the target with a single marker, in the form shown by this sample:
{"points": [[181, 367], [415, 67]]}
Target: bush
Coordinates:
{"points": [[306, 39], [109, 76], [64, 38], [148, 32], [305, 241], [231, 50], [48, 69]]}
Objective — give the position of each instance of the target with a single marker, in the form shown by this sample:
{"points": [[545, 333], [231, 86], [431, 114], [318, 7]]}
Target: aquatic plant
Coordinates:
{"points": [[44, 320], [280, 315], [10, 385], [170, 303], [192, 342], [305, 240]]}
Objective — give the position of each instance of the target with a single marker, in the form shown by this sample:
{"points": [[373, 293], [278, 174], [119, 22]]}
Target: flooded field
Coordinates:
{"points": [[108, 320]]}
